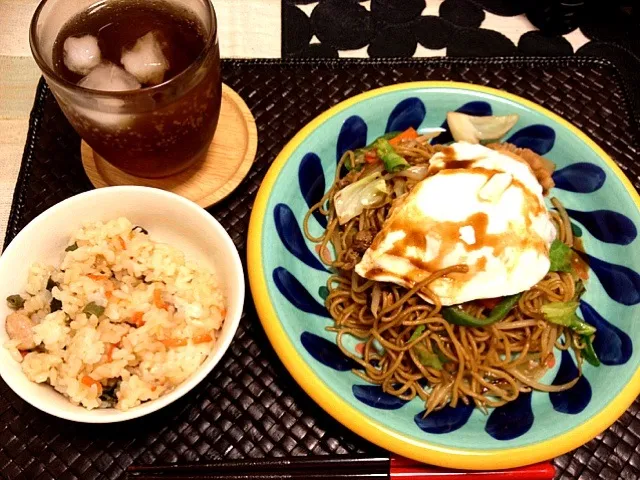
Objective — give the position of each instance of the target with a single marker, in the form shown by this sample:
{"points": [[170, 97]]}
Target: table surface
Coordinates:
{"points": [[248, 29]]}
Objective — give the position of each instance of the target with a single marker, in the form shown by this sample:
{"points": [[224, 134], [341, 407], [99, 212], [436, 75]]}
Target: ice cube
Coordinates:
{"points": [[145, 60], [107, 118], [81, 54], [109, 78]]}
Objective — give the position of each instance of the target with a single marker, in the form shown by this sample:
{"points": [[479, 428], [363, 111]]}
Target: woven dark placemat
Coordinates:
{"points": [[250, 406]]}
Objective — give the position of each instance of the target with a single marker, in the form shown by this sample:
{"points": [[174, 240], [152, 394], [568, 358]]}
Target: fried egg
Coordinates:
{"points": [[478, 207]]}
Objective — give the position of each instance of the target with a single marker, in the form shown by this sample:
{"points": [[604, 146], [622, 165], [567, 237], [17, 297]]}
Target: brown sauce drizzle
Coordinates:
{"points": [[579, 262], [449, 153], [448, 233], [452, 165]]}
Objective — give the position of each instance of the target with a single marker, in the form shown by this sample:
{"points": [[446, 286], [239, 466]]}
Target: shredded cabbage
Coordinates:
{"points": [[564, 314], [353, 199]]}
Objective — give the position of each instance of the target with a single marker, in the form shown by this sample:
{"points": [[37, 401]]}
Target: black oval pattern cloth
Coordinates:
{"points": [[425, 28], [465, 28]]}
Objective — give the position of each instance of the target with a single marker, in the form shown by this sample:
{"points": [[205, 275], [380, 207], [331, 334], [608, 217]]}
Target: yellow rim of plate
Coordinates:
{"points": [[362, 424]]}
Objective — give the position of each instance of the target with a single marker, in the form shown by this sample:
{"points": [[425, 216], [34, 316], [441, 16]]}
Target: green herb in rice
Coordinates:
{"points": [[93, 309], [15, 301]]}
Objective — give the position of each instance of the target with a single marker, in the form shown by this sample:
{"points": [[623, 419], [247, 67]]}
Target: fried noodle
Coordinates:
{"points": [[487, 366]]}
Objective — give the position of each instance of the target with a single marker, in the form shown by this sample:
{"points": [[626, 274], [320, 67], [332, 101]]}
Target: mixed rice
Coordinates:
{"points": [[122, 320]]}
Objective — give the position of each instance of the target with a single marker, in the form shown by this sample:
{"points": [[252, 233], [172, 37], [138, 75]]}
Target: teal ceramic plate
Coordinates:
{"points": [[287, 282]]}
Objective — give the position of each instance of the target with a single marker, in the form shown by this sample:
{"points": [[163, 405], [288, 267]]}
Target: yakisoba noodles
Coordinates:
{"points": [[409, 347]]}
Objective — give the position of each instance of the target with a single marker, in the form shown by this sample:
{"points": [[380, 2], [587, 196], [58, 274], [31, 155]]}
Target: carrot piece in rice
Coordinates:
{"points": [[206, 338], [93, 276], [157, 299], [110, 348], [174, 342], [89, 382], [136, 319]]}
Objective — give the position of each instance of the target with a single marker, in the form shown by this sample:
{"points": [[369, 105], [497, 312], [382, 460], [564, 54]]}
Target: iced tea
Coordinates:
{"points": [[150, 78]]}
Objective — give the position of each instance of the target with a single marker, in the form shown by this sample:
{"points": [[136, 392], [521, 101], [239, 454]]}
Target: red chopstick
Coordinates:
{"points": [[343, 467], [406, 469]]}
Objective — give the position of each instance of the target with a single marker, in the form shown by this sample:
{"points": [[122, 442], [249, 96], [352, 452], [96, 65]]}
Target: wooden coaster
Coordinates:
{"points": [[228, 160]]}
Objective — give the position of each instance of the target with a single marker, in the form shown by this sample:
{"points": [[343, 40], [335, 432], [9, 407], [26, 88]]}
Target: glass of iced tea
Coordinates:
{"points": [[139, 80]]}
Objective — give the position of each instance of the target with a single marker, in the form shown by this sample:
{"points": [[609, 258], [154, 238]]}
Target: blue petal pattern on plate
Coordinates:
{"points": [[444, 421], [353, 134], [613, 346], [477, 109], [312, 183], [373, 396], [511, 420], [606, 225], [538, 138], [410, 112], [580, 177], [326, 352], [292, 238], [620, 282], [294, 291], [575, 399]]}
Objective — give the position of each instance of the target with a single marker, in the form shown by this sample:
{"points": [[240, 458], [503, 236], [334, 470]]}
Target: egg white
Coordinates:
{"points": [[503, 229]]}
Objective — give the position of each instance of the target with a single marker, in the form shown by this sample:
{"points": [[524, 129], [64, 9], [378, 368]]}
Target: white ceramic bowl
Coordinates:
{"points": [[169, 218]]}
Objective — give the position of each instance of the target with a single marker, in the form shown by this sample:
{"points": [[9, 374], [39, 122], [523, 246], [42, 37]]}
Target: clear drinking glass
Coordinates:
{"points": [[151, 132]]}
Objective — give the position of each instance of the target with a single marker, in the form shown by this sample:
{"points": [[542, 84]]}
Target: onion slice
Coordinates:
{"points": [[415, 172], [354, 198], [541, 386], [467, 128], [428, 133]]}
